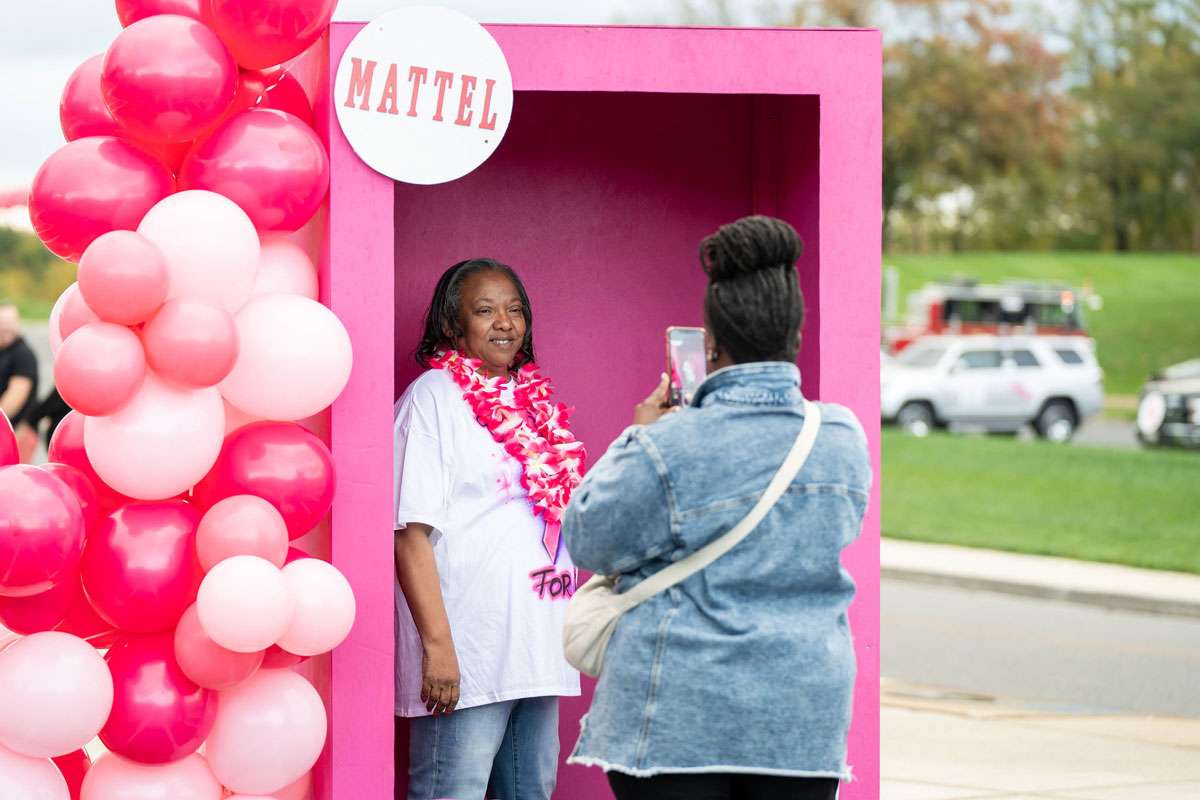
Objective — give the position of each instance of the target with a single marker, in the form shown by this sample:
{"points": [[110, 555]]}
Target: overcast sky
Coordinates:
{"points": [[42, 41]]}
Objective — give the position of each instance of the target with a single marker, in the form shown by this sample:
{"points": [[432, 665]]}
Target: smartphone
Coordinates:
{"points": [[686, 365]]}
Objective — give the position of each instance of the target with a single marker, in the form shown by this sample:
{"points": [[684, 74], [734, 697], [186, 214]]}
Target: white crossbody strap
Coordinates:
{"points": [[685, 567]]}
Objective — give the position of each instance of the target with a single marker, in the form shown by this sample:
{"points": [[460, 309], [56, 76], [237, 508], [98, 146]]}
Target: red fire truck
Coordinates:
{"points": [[964, 306]]}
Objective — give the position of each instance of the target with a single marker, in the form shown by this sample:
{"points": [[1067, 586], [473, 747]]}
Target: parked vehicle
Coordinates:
{"points": [[999, 383], [1169, 407]]}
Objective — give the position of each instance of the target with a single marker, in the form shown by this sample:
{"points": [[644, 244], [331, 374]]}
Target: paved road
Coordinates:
{"points": [[1059, 656]]}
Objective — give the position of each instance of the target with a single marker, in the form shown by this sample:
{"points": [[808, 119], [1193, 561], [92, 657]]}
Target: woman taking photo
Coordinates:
{"points": [[484, 465], [735, 682]]}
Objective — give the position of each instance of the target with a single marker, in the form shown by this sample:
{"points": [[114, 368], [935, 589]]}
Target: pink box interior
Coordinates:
{"points": [[627, 146]]}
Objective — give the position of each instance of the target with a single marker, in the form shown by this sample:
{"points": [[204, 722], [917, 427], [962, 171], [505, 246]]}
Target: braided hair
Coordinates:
{"points": [[443, 320], [753, 306]]}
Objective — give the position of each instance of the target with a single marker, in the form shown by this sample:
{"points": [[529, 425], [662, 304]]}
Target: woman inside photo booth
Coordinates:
{"points": [[484, 466]]}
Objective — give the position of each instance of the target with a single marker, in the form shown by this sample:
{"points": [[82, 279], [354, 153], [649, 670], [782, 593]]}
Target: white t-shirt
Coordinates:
{"points": [[505, 598]]}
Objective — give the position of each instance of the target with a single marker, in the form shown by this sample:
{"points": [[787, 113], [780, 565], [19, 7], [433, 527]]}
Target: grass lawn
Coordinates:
{"points": [[1151, 314], [1135, 507]]}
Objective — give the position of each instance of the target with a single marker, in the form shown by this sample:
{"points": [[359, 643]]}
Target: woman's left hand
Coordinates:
{"points": [[656, 406]]}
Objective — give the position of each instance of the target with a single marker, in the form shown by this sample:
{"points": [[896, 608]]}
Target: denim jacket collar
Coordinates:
{"points": [[769, 383]]}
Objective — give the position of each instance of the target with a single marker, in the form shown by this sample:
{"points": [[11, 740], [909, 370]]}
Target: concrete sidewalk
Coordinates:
{"points": [[945, 745], [1106, 585]]}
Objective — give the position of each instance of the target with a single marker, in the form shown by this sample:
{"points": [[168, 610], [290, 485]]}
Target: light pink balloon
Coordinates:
{"points": [[244, 604], [99, 368], [285, 269], [211, 247], [242, 525], [116, 778], [56, 693], [204, 661], [74, 313], [191, 342], [123, 277], [24, 778], [168, 78], [294, 358], [269, 732], [161, 443], [323, 607]]}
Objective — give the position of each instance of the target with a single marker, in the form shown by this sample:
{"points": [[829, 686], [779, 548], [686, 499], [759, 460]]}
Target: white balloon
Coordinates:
{"points": [[284, 268], [270, 730], [160, 443], [322, 607], [294, 358], [24, 778], [243, 604], [56, 693], [211, 247]]}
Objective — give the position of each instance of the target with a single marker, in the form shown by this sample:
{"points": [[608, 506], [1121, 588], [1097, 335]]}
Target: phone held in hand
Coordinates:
{"points": [[686, 365]]}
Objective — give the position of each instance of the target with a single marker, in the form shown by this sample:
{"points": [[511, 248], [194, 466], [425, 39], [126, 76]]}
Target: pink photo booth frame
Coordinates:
{"points": [[627, 145]]}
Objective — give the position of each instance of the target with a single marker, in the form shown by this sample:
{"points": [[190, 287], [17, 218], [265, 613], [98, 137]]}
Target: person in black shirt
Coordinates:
{"points": [[18, 367]]}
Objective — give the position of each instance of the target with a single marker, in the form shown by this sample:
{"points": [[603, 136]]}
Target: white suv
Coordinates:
{"points": [[1000, 383]]}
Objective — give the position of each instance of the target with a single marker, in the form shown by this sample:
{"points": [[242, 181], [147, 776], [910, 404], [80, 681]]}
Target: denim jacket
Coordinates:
{"points": [[747, 666]]}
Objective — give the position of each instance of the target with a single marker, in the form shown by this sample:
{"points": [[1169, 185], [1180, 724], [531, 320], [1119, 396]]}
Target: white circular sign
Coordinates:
{"points": [[423, 94]]}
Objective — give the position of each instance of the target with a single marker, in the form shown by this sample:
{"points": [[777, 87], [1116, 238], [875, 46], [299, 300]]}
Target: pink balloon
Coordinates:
{"points": [[99, 368], [139, 569], [82, 113], [10, 453], [323, 607], [41, 531], [278, 658], [269, 162], [294, 358], [167, 78], [130, 11], [280, 462], [269, 732], [158, 714], [283, 92], [191, 342], [207, 663], [69, 314], [244, 604], [123, 277], [211, 247], [30, 778], [285, 268], [263, 33], [56, 693], [84, 491], [243, 525], [116, 778], [92, 186], [74, 767], [160, 443], [40, 612], [67, 447]]}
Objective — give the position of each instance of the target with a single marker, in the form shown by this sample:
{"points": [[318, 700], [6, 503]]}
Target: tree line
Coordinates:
{"points": [[1009, 127]]}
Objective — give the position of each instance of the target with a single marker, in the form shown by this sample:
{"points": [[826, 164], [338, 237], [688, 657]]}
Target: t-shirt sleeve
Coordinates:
{"points": [[25, 364], [421, 462]]}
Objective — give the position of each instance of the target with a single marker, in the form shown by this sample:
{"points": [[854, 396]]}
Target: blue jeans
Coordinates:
{"points": [[513, 745]]}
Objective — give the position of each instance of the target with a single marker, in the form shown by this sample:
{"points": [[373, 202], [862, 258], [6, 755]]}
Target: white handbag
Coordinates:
{"points": [[593, 613]]}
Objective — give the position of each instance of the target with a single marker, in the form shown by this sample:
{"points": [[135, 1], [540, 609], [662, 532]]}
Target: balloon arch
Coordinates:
{"points": [[150, 592]]}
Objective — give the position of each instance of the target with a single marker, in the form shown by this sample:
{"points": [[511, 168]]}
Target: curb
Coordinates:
{"points": [[1110, 600], [1109, 586]]}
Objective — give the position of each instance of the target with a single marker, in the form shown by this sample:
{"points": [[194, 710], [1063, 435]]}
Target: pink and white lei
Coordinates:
{"points": [[531, 428]]}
